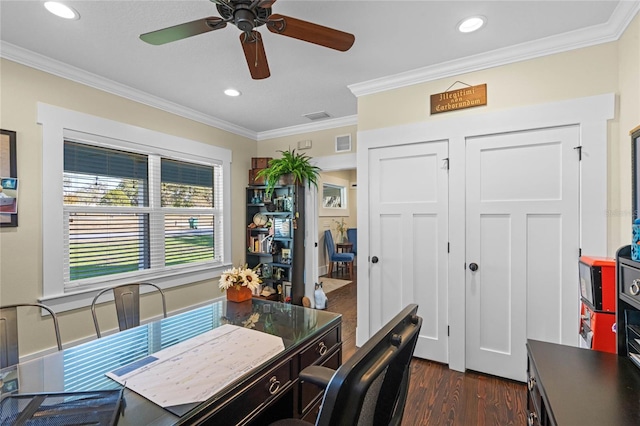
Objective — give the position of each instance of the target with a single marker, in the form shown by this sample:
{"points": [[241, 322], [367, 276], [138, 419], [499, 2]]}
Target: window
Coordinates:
{"points": [[334, 201], [106, 215], [132, 207], [333, 196]]}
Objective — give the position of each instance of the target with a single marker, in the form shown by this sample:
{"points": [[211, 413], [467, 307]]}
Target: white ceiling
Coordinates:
{"points": [[396, 41]]}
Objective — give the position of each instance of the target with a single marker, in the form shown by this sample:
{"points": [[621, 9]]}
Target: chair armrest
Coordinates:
{"points": [[317, 374]]}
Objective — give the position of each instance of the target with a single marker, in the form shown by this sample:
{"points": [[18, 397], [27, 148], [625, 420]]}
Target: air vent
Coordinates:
{"points": [[317, 115], [343, 143]]}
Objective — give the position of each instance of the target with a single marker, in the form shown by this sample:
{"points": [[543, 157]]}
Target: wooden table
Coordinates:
{"points": [[345, 247]]}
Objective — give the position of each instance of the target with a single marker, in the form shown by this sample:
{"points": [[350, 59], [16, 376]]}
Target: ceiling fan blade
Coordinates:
{"points": [[266, 3], [255, 55], [313, 33], [188, 29]]}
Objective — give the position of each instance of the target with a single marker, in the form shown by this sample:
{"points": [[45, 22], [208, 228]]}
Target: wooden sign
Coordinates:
{"points": [[467, 97]]}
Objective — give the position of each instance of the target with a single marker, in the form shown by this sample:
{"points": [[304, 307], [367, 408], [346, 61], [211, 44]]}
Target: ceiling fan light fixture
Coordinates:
{"points": [[61, 10], [472, 24], [232, 92]]}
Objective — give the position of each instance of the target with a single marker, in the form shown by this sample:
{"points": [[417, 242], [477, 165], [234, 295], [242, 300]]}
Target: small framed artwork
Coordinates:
{"points": [[266, 271], [286, 255], [8, 179], [287, 290]]}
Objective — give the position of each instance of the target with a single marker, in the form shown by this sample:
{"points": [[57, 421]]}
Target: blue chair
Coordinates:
{"points": [[346, 258], [352, 236]]}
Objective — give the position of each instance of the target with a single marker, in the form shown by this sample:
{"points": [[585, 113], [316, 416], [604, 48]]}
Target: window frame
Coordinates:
{"points": [[334, 182], [58, 125]]}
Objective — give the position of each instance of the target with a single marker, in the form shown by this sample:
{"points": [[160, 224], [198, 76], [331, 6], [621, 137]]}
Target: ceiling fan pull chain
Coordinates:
{"points": [[255, 64]]}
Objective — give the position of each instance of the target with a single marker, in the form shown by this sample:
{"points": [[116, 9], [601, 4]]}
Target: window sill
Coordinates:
{"points": [[83, 298]]}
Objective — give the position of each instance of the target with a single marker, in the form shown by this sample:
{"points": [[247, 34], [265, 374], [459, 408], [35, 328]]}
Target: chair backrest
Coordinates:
{"points": [[127, 300], [328, 241], [370, 388], [9, 353], [352, 236]]}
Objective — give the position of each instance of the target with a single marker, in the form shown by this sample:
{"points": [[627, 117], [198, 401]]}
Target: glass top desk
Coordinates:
{"points": [[267, 392]]}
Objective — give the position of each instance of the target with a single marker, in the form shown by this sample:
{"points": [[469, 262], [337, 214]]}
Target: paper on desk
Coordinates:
{"points": [[194, 370]]}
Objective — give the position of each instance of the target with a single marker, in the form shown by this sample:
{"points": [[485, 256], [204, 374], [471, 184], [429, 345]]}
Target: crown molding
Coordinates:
{"points": [[43, 63], [611, 31], [597, 34], [350, 120]]}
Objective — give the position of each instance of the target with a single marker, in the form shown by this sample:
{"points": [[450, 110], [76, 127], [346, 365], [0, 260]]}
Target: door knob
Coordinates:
{"points": [[473, 267], [374, 259]]}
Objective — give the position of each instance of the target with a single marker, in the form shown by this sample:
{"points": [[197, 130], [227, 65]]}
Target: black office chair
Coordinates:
{"points": [[9, 353], [370, 388], [127, 301]]}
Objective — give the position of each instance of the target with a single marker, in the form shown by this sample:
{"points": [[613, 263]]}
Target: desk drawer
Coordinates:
{"points": [[319, 348], [534, 404], [262, 392], [537, 414], [629, 282]]}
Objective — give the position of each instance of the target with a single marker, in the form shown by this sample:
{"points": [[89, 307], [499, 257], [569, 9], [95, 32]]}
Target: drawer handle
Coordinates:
{"points": [[322, 348], [531, 421], [274, 385], [635, 287], [531, 383]]}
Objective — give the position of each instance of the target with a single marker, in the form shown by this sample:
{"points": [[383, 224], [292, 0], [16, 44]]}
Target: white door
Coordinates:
{"points": [[522, 222], [408, 204]]}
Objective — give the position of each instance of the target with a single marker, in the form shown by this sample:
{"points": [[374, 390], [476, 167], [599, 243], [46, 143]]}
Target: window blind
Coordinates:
{"points": [[100, 176], [102, 239], [188, 238], [103, 244], [189, 225]]}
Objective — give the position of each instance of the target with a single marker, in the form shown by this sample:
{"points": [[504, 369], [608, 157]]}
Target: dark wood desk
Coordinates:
{"points": [[574, 386], [269, 392]]}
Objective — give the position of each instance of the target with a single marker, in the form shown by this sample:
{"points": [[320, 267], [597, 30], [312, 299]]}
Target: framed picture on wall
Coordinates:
{"points": [[635, 173], [8, 179]]}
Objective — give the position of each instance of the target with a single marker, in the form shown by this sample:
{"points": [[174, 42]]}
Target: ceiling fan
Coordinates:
{"points": [[247, 15]]}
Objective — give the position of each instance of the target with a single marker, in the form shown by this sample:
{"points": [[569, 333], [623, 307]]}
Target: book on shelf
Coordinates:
{"points": [[260, 243]]}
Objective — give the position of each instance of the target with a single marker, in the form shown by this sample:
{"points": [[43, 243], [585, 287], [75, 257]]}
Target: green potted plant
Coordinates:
{"points": [[292, 168]]}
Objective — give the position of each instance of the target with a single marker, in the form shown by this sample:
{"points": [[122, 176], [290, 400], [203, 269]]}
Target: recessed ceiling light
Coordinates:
{"points": [[232, 92], [61, 10], [471, 24]]}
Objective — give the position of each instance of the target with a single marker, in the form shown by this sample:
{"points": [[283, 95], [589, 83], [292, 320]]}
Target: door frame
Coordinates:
{"points": [[590, 114], [328, 163]]}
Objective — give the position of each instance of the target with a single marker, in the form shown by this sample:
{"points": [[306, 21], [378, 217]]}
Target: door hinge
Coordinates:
{"points": [[448, 334], [579, 149], [580, 252], [465, 266], [446, 162], [448, 247]]}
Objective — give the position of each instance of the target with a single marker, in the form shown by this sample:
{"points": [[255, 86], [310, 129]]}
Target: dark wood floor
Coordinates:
{"points": [[438, 395]]}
